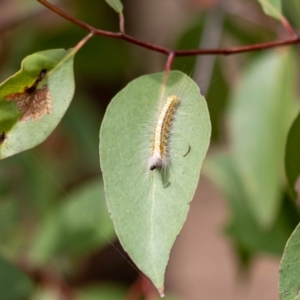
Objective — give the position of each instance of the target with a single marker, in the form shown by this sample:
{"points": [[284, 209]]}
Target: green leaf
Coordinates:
{"points": [[149, 208], [116, 5], [243, 229], [14, 284], [80, 224], [45, 80], [289, 280], [292, 157], [272, 8], [261, 111]]}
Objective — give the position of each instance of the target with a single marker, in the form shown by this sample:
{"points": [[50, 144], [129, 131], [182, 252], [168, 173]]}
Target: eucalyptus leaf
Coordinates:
{"points": [[262, 108], [116, 5], [14, 284], [289, 280], [149, 208], [33, 101], [292, 157], [272, 8]]}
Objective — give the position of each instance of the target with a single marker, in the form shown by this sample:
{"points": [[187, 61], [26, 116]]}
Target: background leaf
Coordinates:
{"points": [[23, 135], [292, 157], [147, 207], [14, 284], [116, 5], [289, 281], [248, 237], [80, 224], [272, 8], [261, 111]]}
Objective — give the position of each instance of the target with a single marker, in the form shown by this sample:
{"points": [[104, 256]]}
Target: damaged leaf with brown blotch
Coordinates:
{"points": [[32, 105], [34, 100]]}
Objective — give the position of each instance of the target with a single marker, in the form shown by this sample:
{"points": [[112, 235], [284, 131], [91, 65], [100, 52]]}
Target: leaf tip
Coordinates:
{"points": [[161, 291]]}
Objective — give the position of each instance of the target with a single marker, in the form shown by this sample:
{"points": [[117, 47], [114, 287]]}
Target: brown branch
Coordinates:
{"points": [[166, 51], [241, 49]]}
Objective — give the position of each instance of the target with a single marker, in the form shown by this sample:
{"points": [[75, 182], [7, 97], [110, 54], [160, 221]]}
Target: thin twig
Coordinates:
{"points": [[83, 41], [166, 73], [236, 50], [166, 51], [122, 22], [286, 24], [169, 62]]}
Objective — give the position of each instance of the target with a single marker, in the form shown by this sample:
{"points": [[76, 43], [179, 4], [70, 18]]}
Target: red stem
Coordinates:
{"points": [[166, 51], [169, 62], [121, 22], [288, 27]]}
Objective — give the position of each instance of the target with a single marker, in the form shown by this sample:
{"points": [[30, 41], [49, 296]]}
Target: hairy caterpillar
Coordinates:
{"points": [[159, 151]]}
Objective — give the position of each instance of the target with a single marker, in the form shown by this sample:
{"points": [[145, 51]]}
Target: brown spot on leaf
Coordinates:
{"points": [[2, 137], [33, 103]]}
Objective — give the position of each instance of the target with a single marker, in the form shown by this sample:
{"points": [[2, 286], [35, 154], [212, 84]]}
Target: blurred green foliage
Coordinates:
{"points": [[14, 284]]}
